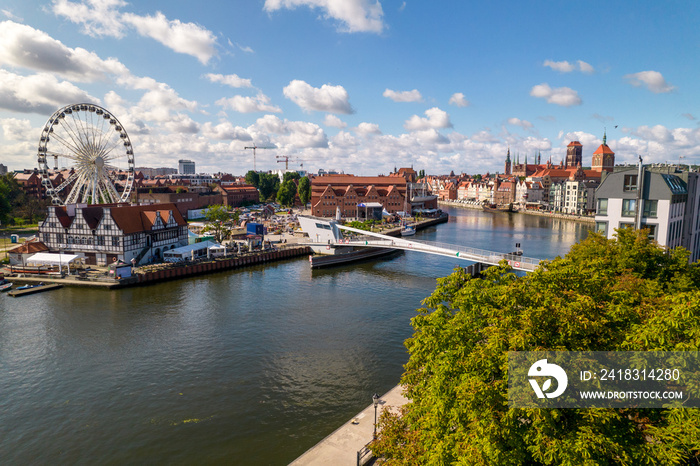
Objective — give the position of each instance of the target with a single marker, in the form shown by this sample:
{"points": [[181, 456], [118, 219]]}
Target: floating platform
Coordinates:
{"points": [[34, 289]]}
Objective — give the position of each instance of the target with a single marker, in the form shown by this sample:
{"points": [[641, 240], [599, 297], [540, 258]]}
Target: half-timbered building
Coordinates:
{"points": [[107, 233]]}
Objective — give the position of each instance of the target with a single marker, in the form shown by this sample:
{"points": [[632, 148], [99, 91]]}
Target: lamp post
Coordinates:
{"points": [[375, 400]]}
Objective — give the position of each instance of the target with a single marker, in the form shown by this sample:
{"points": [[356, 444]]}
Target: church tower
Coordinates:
{"points": [[603, 157], [574, 154], [508, 163]]}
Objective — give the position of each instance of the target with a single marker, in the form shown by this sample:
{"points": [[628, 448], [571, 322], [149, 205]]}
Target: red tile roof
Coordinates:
{"points": [[603, 149], [29, 247]]}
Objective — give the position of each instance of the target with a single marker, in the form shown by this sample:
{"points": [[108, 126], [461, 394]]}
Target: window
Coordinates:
{"points": [[628, 207], [115, 241], [602, 207], [630, 183], [652, 230], [650, 208], [602, 228]]}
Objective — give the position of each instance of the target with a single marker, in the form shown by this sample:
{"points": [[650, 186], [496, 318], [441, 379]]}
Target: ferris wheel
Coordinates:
{"points": [[94, 149]]}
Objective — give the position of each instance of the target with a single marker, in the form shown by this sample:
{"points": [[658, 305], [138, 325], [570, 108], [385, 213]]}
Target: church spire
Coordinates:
{"points": [[605, 137]]}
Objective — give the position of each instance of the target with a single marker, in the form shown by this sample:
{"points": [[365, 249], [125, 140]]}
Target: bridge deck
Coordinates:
{"points": [[377, 240]]}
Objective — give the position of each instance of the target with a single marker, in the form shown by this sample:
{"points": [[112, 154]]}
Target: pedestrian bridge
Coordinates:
{"points": [[325, 233]]}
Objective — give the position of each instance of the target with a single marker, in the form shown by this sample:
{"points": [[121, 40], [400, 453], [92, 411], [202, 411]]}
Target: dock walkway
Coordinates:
{"points": [[340, 447]]}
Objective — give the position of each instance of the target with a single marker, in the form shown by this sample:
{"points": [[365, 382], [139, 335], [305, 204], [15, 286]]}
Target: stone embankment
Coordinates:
{"points": [[559, 215]]}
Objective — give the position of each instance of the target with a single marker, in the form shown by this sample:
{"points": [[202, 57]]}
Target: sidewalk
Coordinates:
{"points": [[340, 448]]}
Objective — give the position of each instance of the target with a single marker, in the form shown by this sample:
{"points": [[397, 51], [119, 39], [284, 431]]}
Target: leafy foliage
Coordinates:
{"points": [[252, 178], [218, 219], [304, 189], [286, 193], [15, 205], [268, 186], [624, 294]]}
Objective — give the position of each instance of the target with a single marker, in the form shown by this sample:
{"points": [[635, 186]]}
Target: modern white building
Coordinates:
{"points": [[662, 199], [186, 167]]}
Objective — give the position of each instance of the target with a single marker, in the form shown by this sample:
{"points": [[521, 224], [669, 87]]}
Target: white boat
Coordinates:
{"points": [[408, 230], [5, 286]]}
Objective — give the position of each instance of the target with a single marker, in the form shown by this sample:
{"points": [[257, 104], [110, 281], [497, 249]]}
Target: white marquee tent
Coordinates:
{"points": [[48, 258]]}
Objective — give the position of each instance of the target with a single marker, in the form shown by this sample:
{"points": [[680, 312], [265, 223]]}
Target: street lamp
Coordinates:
{"points": [[375, 399]]}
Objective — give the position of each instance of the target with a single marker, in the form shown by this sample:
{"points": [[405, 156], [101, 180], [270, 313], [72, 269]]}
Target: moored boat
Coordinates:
{"points": [[5, 286]]}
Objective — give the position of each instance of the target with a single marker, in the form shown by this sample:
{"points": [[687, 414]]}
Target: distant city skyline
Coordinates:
{"points": [[359, 86]]}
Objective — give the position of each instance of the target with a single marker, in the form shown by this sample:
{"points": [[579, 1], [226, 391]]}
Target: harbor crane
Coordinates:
{"points": [[254, 148]]}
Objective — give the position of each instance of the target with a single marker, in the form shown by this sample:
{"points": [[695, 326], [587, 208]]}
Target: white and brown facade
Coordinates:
{"points": [[106, 233]]}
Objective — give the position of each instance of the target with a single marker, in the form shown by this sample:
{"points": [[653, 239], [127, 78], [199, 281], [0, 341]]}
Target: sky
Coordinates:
{"points": [[360, 86]]}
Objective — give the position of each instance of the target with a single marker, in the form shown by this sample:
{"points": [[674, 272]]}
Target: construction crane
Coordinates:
{"points": [[286, 159], [256, 147]]}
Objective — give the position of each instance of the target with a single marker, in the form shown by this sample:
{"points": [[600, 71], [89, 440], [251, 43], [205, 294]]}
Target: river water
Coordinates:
{"points": [[252, 366]]}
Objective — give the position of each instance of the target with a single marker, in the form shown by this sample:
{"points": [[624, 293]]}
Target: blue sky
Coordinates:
{"points": [[358, 85]]}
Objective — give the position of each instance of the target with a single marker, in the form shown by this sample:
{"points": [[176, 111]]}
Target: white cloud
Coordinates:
{"points": [[367, 129], [518, 122], [232, 80], [585, 67], [331, 99], [14, 129], [225, 131], [39, 93], [566, 67], [334, 121], [9, 15], [652, 80], [187, 38], [98, 18], [403, 96], [458, 100], [289, 134], [561, 66], [103, 18], [436, 118], [563, 96], [239, 103], [22, 46], [353, 15]]}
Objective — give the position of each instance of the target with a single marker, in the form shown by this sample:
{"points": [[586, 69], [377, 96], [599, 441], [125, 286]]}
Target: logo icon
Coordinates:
{"points": [[543, 369]]}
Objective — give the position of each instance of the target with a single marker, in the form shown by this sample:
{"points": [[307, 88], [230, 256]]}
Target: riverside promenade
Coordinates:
{"points": [[340, 447]]}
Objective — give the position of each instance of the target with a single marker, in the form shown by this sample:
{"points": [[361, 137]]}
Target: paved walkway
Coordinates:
{"points": [[340, 448]]}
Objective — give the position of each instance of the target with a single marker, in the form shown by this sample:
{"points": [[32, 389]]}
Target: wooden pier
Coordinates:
{"points": [[34, 289]]}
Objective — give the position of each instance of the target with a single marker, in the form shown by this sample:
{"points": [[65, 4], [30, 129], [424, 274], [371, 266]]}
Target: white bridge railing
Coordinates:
{"points": [[444, 249]]}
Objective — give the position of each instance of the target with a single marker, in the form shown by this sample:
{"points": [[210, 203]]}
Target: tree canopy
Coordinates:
{"points": [[304, 189], [218, 219], [623, 294], [286, 193], [269, 183], [252, 178]]}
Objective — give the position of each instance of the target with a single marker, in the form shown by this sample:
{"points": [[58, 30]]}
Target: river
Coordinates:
{"points": [[252, 366]]}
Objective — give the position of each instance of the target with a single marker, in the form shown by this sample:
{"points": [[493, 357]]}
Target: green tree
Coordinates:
{"points": [[218, 221], [6, 195], [624, 294], [290, 176], [304, 189], [286, 193], [268, 186], [252, 178]]}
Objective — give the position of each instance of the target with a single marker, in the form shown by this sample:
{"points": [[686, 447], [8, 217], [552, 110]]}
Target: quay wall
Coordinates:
{"points": [[217, 265], [561, 216]]}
